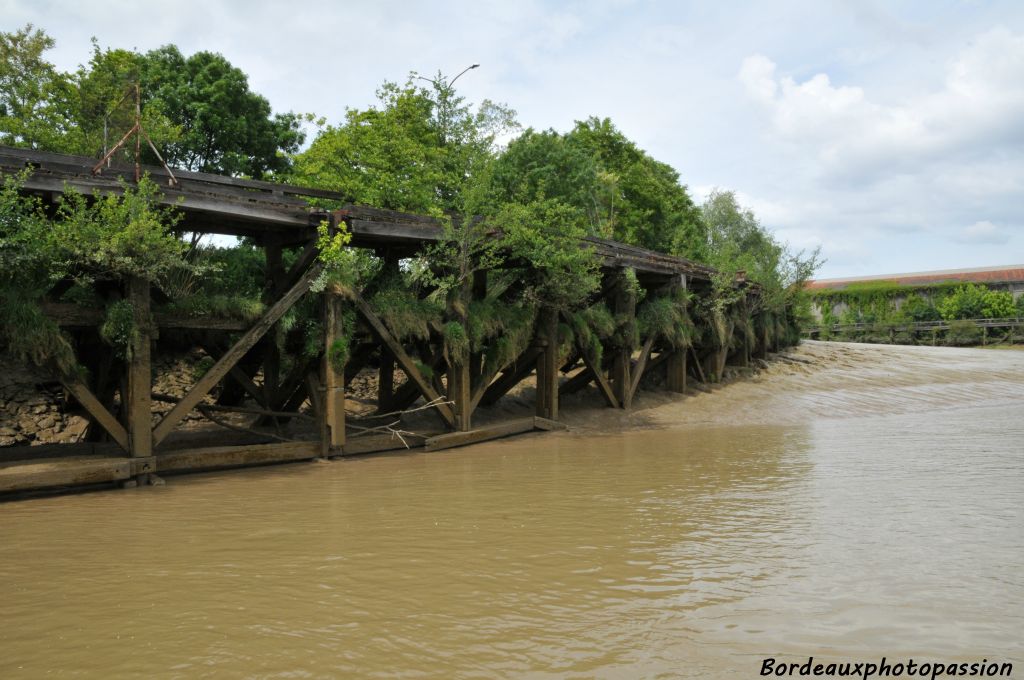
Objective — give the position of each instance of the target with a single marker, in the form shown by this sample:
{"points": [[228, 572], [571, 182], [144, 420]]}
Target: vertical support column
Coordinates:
{"points": [[459, 375], [273, 273], [750, 330], [459, 393], [624, 304], [139, 397], [676, 365], [547, 365], [333, 402], [677, 371]]}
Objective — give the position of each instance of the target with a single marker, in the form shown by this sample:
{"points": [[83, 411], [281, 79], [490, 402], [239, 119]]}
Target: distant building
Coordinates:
{"points": [[1009, 278]]}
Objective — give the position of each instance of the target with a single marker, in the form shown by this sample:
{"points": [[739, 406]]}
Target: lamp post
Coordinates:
{"points": [[444, 91]]}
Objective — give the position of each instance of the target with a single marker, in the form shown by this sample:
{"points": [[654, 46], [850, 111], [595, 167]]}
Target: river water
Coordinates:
{"points": [[852, 503]]}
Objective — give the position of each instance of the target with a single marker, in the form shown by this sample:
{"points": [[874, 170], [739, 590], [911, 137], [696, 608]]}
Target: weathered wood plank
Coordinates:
{"points": [[548, 425], [452, 439], [57, 472], [357, 446], [69, 315], [236, 456], [232, 356]]}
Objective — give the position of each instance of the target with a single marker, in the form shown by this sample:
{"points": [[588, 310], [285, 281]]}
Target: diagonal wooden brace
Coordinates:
{"points": [[404, 360], [233, 355]]}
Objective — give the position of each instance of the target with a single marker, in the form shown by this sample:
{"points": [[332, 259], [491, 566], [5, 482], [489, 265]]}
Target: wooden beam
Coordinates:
{"points": [[99, 413], [696, 362], [232, 356], [55, 472], [515, 373], [69, 315], [602, 382], [356, 446], [641, 364], [284, 281], [406, 362], [577, 382], [548, 425], [235, 456], [452, 439], [139, 399]]}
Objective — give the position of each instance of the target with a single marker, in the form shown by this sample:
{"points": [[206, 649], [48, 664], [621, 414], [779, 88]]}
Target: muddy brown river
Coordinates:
{"points": [[851, 502]]}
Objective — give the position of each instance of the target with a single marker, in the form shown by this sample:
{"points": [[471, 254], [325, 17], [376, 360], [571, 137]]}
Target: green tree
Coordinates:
{"points": [[544, 165], [999, 305], [35, 98], [224, 126], [645, 204], [416, 150], [964, 302], [388, 156], [916, 307]]}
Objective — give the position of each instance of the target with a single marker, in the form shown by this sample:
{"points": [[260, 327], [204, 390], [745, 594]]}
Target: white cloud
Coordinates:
{"points": [[852, 136], [983, 232]]}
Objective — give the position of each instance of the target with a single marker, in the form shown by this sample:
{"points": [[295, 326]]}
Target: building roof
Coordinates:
{"points": [[1005, 274]]}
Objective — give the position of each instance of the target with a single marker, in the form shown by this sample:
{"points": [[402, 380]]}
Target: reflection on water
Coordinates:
{"points": [[691, 552]]}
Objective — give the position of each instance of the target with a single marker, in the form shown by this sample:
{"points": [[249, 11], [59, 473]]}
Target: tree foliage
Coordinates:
{"points": [[619, 190], [36, 100], [199, 108]]}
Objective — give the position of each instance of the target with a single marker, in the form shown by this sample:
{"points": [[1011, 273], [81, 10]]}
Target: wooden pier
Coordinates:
{"points": [[133, 443]]}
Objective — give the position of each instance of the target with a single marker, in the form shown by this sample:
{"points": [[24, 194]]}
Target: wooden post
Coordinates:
{"points": [[676, 366], [139, 398], [332, 412], [547, 365], [460, 371], [677, 370], [459, 393], [273, 274], [624, 304]]}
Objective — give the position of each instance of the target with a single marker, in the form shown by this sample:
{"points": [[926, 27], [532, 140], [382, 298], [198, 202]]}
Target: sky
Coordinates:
{"points": [[890, 134]]}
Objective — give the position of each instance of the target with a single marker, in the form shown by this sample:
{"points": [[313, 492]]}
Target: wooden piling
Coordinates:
{"points": [[624, 305], [332, 412], [547, 365], [139, 399]]}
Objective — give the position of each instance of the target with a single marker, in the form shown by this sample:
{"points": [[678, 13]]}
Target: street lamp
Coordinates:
{"points": [[448, 85]]}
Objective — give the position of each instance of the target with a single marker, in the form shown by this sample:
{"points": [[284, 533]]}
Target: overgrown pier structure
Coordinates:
{"points": [[136, 443]]}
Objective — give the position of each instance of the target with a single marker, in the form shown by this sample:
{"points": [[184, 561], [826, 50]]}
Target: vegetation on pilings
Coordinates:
{"points": [[518, 212], [668, 317], [105, 238]]}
